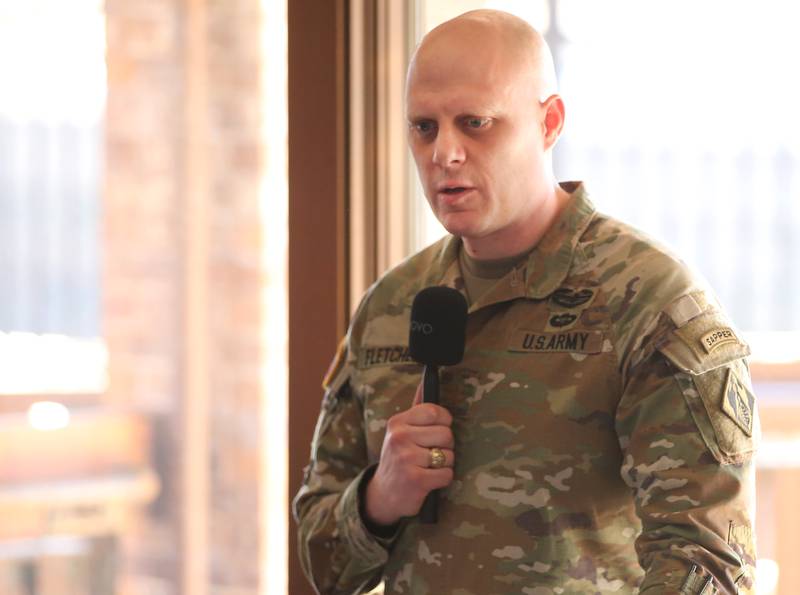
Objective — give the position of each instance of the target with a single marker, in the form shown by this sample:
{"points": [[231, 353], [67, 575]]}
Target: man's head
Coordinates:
{"points": [[483, 118]]}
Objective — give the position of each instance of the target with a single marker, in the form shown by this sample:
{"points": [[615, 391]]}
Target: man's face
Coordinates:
{"points": [[476, 133]]}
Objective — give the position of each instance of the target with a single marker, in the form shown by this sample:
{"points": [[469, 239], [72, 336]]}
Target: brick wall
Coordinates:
{"points": [[141, 265], [149, 163], [235, 278]]}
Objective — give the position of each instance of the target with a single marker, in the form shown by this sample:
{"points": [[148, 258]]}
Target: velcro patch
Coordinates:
{"points": [[717, 338], [383, 355], [686, 308], [559, 342], [739, 403]]}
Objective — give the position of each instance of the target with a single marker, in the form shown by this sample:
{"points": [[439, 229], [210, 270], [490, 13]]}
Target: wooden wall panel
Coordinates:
{"points": [[318, 300]]}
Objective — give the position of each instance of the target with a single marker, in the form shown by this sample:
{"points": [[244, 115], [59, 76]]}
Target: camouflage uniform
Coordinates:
{"points": [[604, 428]]}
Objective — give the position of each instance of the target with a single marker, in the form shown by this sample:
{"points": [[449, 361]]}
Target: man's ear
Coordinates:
{"points": [[553, 121]]}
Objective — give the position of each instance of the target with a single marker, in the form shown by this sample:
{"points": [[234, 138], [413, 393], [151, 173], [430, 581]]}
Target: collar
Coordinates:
{"points": [[546, 267]]}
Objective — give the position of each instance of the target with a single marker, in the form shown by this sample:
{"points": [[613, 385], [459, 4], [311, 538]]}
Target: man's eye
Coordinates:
{"points": [[424, 127], [477, 122]]}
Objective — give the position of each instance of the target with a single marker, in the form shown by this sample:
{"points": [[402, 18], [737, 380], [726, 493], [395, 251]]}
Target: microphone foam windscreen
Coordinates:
{"points": [[438, 326]]}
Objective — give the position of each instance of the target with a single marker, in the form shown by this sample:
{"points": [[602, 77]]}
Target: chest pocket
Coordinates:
{"points": [[708, 358]]}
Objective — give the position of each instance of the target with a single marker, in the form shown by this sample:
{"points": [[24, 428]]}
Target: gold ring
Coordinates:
{"points": [[437, 458]]}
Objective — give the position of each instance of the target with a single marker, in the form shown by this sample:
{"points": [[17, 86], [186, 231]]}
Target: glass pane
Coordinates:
{"points": [[50, 163], [50, 154], [52, 102]]}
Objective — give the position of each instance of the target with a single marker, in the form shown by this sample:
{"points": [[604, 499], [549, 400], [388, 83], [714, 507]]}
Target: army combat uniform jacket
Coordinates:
{"points": [[604, 427]]}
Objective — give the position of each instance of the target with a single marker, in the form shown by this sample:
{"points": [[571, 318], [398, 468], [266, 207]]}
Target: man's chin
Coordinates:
{"points": [[461, 224]]}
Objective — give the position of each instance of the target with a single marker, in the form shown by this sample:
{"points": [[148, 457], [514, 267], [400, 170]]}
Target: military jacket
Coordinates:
{"points": [[604, 426]]}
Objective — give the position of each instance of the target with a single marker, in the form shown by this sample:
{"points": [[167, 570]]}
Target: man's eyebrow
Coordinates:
{"points": [[482, 111], [418, 117], [485, 112]]}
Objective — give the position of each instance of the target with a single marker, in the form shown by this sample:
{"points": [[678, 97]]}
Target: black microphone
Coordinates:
{"points": [[436, 338]]}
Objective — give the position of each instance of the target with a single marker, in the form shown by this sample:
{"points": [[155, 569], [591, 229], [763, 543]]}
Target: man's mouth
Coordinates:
{"points": [[453, 191]]}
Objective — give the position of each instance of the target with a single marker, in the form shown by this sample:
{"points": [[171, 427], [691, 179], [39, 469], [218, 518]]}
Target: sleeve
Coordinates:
{"points": [[688, 429], [337, 552]]}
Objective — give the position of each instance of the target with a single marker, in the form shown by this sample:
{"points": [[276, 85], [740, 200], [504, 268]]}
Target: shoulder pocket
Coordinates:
{"points": [[708, 358], [704, 343]]}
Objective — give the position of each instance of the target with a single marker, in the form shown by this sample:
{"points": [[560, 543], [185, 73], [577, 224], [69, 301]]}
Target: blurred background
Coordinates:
{"points": [[194, 194]]}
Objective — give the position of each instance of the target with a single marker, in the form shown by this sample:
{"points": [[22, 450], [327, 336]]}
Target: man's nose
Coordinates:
{"points": [[448, 149]]}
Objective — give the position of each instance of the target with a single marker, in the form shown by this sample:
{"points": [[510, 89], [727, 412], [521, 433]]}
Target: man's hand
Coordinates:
{"points": [[403, 477]]}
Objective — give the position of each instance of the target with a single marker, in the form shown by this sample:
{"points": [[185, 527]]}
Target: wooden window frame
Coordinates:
{"points": [[380, 42]]}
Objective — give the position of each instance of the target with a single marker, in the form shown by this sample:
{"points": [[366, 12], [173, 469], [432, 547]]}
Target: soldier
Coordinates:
{"points": [[598, 436]]}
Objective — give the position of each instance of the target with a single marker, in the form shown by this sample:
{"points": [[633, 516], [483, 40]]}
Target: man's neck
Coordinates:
{"points": [[523, 235]]}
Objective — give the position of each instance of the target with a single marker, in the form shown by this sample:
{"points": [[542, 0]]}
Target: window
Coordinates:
{"points": [[50, 164]]}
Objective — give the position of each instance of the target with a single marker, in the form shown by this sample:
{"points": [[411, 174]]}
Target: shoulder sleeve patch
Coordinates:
{"points": [[331, 376], [738, 402]]}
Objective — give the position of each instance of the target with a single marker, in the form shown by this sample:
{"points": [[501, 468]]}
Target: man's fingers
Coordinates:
{"points": [[439, 478], [431, 436], [428, 414]]}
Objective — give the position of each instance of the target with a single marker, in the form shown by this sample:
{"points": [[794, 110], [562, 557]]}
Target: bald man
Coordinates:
{"points": [[598, 436]]}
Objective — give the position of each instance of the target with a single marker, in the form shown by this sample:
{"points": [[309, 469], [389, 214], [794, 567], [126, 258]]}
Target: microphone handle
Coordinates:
{"points": [[430, 394]]}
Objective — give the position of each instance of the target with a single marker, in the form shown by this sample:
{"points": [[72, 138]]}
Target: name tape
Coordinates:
{"points": [[387, 355], [563, 342]]}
